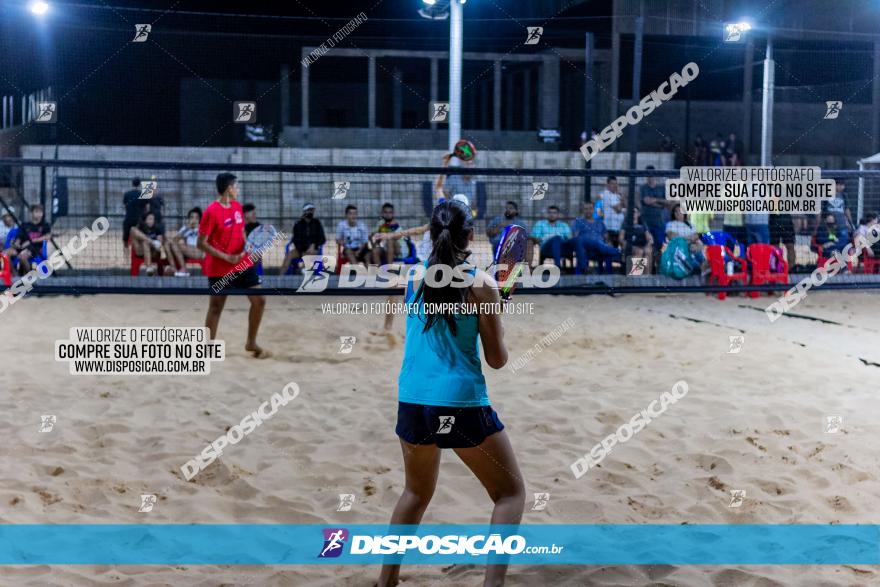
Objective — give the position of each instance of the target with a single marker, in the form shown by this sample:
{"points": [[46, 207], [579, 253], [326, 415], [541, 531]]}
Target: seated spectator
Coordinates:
{"points": [[614, 210], [384, 251], [250, 219], [829, 237], [308, 237], [655, 207], [353, 237], [865, 224], [148, 239], [554, 237], [680, 227], [497, 225], [590, 235], [641, 239], [6, 226], [183, 244], [30, 238]]}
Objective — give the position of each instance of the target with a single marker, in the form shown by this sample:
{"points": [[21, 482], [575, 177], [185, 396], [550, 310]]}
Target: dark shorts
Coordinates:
{"points": [[244, 280], [127, 225], [781, 228], [447, 427]]}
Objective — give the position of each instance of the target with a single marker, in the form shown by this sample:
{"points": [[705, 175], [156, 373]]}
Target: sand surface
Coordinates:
{"points": [[753, 421]]}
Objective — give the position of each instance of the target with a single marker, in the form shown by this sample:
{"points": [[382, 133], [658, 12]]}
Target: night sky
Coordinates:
{"points": [[129, 93]]}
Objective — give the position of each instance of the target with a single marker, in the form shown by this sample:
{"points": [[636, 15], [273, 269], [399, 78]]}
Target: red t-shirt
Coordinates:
{"points": [[223, 227]]}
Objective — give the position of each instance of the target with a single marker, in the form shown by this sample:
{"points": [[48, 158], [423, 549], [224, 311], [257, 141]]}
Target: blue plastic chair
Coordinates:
{"points": [[719, 237], [299, 261], [411, 254]]}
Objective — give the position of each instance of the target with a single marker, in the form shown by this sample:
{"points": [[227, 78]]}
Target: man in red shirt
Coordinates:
{"points": [[221, 237]]}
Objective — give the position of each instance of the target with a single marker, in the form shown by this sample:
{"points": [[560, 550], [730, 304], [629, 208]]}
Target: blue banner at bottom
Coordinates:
{"points": [[533, 544]]}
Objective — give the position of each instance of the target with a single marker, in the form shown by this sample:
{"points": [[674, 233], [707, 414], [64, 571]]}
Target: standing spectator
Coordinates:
{"points": [[554, 236], [734, 225], [701, 221], [590, 235], [716, 151], [733, 150], [615, 211], [700, 152], [308, 237], [250, 219], [837, 207], [654, 208], [641, 239], [497, 224], [782, 232], [386, 250], [758, 228], [353, 237], [134, 210], [30, 239]]}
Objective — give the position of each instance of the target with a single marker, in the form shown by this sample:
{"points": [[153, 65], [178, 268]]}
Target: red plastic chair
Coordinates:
{"points": [[759, 256], [718, 268], [822, 259], [340, 259], [137, 262], [871, 264], [5, 270]]}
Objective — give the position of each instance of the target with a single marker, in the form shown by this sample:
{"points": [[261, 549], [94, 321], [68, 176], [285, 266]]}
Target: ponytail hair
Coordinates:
{"points": [[451, 228]]}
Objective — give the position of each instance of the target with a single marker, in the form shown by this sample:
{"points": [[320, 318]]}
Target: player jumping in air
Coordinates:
{"points": [[441, 382], [221, 237]]}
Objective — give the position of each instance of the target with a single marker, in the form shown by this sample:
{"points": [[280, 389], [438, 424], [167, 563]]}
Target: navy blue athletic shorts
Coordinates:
{"points": [[447, 427]]}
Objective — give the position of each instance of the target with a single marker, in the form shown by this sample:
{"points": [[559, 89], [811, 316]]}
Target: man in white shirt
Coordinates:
{"points": [[615, 211], [352, 236]]}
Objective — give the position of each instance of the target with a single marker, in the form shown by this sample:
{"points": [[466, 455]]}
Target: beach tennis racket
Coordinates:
{"points": [[509, 259], [259, 239]]}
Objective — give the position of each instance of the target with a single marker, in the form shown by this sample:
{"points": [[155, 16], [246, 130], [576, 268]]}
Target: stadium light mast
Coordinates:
{"points": [[733, 32], [455, 48], [767, 106]]}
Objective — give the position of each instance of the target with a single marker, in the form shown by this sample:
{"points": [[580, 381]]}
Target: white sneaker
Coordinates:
{"points": [[151, 270]]}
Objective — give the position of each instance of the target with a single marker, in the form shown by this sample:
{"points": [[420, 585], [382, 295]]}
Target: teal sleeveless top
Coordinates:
{"points": [[439, 368]]}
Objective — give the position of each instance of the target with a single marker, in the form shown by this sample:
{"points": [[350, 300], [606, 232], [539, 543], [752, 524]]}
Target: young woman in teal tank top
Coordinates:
{"points": [[443, 400]]}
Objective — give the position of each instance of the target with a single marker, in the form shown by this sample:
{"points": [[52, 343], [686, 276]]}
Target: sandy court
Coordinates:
{"points": [[752, 421]]}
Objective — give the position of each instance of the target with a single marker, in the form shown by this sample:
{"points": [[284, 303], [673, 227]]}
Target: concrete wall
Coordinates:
{"points": [[800, 132]]}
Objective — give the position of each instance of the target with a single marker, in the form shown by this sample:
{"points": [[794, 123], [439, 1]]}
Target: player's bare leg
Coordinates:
{"points": [[422, 466], [494, 464], [215, 309], [255, 316]]}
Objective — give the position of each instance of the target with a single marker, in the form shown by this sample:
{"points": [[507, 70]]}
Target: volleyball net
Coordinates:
{"points": [[75, 194]]}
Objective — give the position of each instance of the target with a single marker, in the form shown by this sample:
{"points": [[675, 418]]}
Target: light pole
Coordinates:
{"points": [[455, 45], [767, 107], [733, 32]]}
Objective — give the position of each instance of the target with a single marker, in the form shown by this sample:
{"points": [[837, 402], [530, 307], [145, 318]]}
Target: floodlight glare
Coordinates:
{"points": [[39, 8], [733, 31], [430, 2]]}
